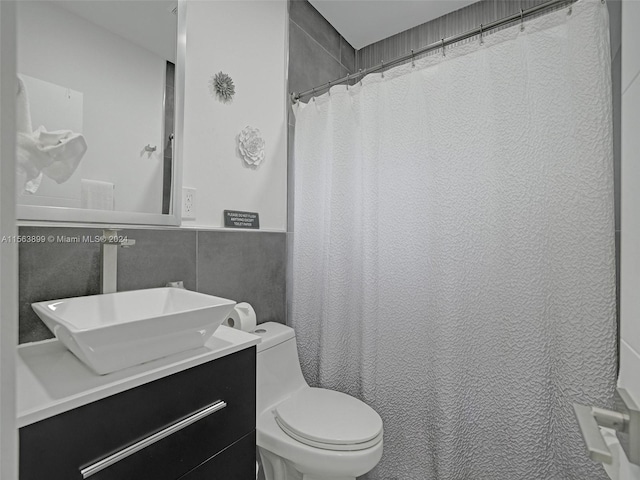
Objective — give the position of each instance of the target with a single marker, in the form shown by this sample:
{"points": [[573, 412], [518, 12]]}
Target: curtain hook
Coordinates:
{"points": [[481, 39], [521, 20], [329, 88], [348, 74], [443, 54], [570, 11], [360, 75], [382, 69], [313, 92], [413, 61]]}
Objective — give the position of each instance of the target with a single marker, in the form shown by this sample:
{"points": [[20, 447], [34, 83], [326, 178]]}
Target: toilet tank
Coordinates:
{"points": [[278, 368]]}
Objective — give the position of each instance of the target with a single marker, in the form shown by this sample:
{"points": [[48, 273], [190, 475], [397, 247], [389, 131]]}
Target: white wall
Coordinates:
{"points": [[247, 40], [8, 251], [123, 88], [630, 221], [630, 241]]}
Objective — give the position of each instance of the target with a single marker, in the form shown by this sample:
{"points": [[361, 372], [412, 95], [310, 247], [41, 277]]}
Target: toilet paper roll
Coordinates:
{"points": [[242, 317]]}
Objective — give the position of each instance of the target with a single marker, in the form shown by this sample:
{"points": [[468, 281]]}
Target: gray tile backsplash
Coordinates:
{"points": [[55, 269], [158, 257], [246, 268], [243, 266]]}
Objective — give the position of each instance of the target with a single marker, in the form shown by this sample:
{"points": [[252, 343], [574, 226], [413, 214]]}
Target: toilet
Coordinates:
{"points": [[306, 433]]}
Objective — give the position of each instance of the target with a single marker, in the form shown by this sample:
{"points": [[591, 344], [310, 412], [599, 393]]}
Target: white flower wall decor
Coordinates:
{"points": [[251, 146]]}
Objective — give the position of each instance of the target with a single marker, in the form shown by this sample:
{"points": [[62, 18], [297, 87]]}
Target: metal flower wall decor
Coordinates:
{"points": [[251, 146], [221, 86]]}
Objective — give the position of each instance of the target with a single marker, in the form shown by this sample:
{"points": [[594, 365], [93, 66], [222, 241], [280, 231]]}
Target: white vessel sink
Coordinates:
{"points": [[118, 330]]}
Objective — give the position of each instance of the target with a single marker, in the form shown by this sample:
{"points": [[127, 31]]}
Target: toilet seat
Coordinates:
{"points": [[330, 420]]}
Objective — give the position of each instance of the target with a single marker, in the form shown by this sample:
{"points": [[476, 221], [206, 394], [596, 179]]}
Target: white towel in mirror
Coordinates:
{"points": [[54, 154]]}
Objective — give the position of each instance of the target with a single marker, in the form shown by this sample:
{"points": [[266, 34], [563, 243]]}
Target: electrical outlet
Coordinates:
{"points": [[189, 203]]}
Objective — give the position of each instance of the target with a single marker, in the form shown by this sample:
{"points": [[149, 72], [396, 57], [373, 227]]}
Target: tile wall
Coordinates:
{"points": [[486, 11], [456, 22], [167, 148], [243, 266], [317, 52], [630, 87], [317, 55]]}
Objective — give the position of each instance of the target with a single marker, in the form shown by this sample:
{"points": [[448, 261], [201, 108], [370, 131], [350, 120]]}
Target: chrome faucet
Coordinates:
{"points": [[111, 240]]}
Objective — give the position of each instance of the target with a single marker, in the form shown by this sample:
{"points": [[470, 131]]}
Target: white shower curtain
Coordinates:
{"points": [[453, 252]]}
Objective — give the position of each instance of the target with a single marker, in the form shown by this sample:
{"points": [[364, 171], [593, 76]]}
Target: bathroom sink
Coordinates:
{"points": [[113, 331]]}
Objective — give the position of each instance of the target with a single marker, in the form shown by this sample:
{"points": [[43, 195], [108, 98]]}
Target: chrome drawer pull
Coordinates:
{"points": [[145, 442]]}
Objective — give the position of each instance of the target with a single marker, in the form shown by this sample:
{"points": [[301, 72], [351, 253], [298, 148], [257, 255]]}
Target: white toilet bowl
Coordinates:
{"points": [[306, 433]]}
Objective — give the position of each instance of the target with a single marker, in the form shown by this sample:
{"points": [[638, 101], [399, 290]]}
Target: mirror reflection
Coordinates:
{"points": [[95, 104]]}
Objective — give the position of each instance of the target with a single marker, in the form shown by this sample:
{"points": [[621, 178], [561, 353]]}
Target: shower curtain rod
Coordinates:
{"points": [[438, 45]]}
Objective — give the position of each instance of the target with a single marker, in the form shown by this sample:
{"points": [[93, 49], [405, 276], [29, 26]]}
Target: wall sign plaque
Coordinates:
{"points": [[237, 219]]}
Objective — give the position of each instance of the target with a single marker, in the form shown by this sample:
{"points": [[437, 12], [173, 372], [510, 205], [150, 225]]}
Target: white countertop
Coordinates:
{"points": [[51, 380]]}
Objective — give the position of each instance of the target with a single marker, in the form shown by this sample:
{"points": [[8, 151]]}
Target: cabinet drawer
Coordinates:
{"points": [[237, 462], [61, 446]]}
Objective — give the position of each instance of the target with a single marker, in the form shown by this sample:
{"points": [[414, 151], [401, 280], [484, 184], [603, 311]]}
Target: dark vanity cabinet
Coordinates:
{"points": [[195, 424]]}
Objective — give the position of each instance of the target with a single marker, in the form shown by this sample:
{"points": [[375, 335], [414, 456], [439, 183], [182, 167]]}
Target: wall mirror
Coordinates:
{"points": [[99, 110]]}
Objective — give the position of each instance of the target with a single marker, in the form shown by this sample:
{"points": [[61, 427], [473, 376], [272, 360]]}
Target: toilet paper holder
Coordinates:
{"points": [[625, 420]]}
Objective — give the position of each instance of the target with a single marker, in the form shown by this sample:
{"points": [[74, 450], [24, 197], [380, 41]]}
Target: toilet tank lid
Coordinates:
{"points": [[272, 334]]}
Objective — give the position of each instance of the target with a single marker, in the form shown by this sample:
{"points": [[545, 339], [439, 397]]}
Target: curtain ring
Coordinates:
{"points": [[521, 20], [443, 54], [382, 69], [481, 39], [413, 62]]}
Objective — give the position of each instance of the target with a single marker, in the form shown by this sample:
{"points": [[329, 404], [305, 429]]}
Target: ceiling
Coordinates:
{"points": [[149, 24], [363, 22]]}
